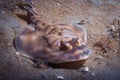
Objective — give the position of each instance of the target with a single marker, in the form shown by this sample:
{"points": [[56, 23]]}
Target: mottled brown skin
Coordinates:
{"points": [[58, 43]]}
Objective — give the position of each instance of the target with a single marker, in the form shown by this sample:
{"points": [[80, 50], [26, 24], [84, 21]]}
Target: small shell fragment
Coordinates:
{"points": [[93, 74], [60, 77], [84, 69], [17, 53], [59, 4]]}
